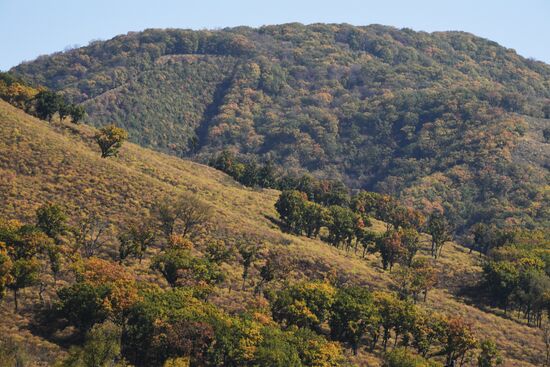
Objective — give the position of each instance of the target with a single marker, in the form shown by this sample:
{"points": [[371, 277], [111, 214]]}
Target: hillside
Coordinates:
{"points": [[60, 163], [446, 121]]}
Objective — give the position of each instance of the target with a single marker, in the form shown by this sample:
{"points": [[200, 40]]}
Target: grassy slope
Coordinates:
{"points": [[39, 163]]}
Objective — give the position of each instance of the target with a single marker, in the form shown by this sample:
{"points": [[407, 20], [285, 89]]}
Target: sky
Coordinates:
{"points": [[30, 28]]}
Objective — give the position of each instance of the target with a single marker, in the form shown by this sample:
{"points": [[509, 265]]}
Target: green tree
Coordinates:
{"points": [[24, 273], [489, 355], [77, 113], [401, 357], [410, 242], [313, 218], [439, 229], [101, 348], [47, 104], [276, 349], [180, 268], [290, 207], [248, 251], [353, 316], [305, 304], [52, 220], [82, 304], [341, 224], [110, 139]]}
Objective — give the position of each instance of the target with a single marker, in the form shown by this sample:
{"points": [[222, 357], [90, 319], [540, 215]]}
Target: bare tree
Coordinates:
{"points": [[185, 213], [90, 235]]}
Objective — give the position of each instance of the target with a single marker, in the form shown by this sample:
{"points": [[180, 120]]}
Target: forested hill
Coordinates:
{"points": [[445, 120]]}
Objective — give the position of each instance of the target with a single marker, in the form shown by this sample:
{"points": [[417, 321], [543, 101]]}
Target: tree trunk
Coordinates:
{"points": [[15, 299]]}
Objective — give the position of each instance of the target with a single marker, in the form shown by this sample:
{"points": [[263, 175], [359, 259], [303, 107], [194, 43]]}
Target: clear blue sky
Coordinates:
{"points": [[30, 28]]}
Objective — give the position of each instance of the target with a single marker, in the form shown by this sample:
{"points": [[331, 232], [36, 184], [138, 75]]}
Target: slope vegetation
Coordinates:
{"points": [[40, 163]]}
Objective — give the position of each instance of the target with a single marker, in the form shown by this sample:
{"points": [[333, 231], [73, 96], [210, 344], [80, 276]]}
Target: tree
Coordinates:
{"points": [[248, 251], [427, 331], [51, 219], [410, 241], [290, 207], [305, 304], [6, 265], [353, 315], [136, 239], [187, 212], [110, 139], [313, 218], [24, 273], [458, 339], [395, 314], [64, 110], [390, 248], [90, 234], [186, 338], [440, 231], [489, 355], [341, 223], [401, 357], [277, 266], [126, 247], [101, 348], [180, 268], [77, 113], [47, 104], [82, 304], [276, 350], [218, 251], [418, 278]]}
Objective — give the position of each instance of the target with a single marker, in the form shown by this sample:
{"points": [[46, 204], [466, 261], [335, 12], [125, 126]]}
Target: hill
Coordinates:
{"points": [[59, 163], [446, 120]]}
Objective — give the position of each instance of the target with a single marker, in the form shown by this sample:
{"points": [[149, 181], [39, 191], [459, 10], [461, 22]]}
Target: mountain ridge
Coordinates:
{"points": [[381, 108]]}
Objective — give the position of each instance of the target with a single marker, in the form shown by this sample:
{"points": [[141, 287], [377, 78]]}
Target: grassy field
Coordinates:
{"points": [[60, 163]]}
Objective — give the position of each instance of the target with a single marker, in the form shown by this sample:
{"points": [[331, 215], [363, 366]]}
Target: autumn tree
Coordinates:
{"points": [[110, 139], [458, 339], [420, 277], [5, 269], [390, 248]]}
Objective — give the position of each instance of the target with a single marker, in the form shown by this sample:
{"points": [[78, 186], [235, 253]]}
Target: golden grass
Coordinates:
{"points": [[40, 163]]}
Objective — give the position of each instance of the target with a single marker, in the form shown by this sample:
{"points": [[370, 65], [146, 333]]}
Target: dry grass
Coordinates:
{"points": [[40, 164]]}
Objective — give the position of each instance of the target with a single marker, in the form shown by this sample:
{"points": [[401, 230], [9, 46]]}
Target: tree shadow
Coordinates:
{"points": [[48, 324]]}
